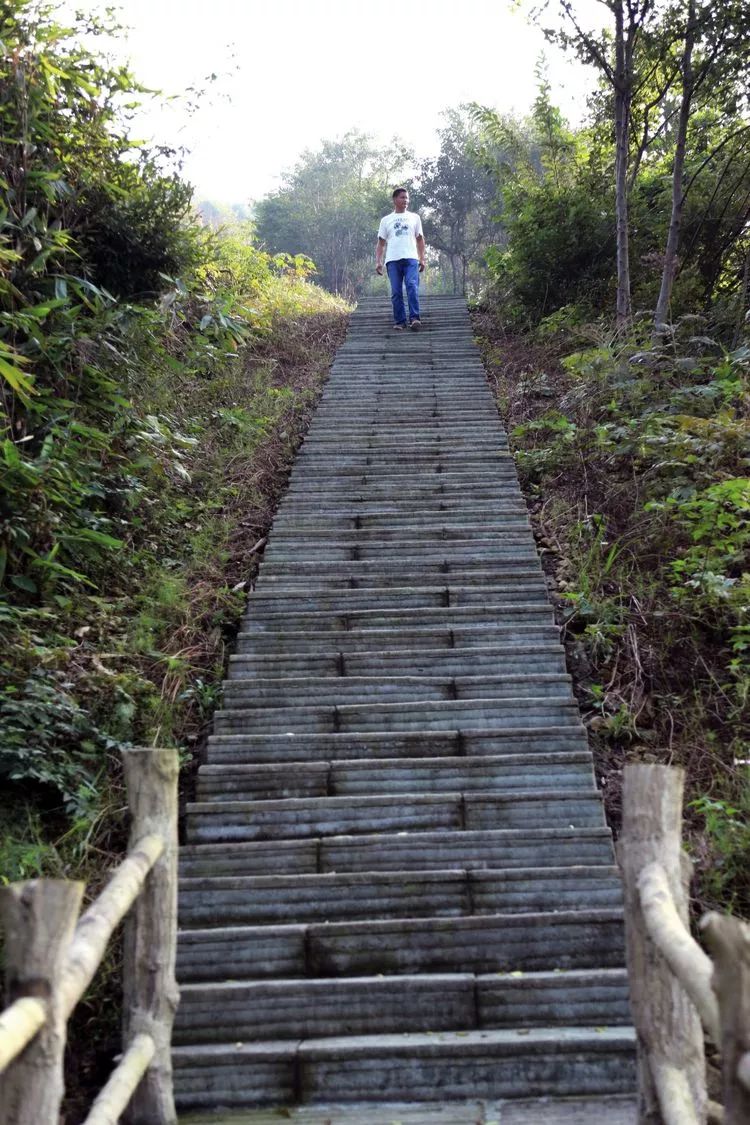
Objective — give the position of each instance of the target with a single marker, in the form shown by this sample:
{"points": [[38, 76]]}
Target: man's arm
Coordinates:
{"points": [[421, 251], [379, 252]]}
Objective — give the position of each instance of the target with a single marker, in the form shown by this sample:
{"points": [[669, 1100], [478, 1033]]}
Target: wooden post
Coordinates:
{"points": [[150, 993], [729, 941], [39, 917], [670, 1039], [115, 1097]]}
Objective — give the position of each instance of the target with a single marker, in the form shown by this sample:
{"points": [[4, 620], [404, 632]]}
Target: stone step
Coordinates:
{"points": [[295, 818], [449, 636], [347, 431], [237, 782], [296, 1009], [323, 576], [501, 475], [330, 502], [416, 662], [266, 600], [426, 417], [321, 691], [613, 1109], [440, 529], [488, 943], [413, 518], [511, 547], [402, 452], [329, 494], [271, 899], [518, 613], [503, 1063], [285, 748], [408, 851], [423, 714]]}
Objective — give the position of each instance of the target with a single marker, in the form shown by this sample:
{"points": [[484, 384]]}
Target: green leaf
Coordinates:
{"points": [[19, 381], [11, 454], [89, 535], [24, 583]]}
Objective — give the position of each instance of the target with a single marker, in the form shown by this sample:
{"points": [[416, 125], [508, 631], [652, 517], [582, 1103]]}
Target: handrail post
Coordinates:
{"points": [[729, 941], [150, 993], [39, 917], [671, 1060]]}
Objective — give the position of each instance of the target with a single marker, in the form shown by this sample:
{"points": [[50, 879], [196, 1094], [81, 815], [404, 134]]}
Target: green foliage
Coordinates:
{"points": [[640, 453], [329, 207], [727, 829], [51, 740], [455, 196], [128, 427]]}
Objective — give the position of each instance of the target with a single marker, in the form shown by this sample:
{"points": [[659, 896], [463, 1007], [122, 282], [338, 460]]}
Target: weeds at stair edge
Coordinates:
{"points": [[630, 459]]}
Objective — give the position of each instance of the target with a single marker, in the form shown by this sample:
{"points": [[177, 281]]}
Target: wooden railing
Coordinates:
{"points": [[52, 954], [676, 990]]}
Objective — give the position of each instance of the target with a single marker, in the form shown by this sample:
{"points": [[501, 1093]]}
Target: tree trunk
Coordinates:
{"points": [[678, 185], [623, 97]]}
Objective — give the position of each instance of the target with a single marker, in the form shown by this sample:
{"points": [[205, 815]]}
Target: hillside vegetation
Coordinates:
{"points": [[155, 381]]}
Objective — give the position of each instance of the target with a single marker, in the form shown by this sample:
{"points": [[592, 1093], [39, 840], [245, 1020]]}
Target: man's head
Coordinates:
{"points": [[400, 198]]}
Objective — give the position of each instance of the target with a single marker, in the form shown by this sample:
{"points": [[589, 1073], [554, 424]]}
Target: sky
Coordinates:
{"points": [[290, 73]]}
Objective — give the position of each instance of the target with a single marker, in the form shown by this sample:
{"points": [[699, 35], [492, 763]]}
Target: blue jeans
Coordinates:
{"points": [[404, 271]]}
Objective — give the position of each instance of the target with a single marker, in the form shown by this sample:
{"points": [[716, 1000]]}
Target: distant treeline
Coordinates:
{"points": [[645, 206]]}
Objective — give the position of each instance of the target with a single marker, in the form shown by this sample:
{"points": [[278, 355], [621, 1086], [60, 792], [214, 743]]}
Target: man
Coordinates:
{"points": [[401, 240]]}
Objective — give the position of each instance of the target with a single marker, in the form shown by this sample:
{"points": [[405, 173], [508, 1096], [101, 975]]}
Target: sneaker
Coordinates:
{"points": [[415, 325], [399, 327]]}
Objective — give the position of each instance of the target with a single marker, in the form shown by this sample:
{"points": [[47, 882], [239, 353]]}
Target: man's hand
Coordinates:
{"points": [[422, 267], [379, 269]]}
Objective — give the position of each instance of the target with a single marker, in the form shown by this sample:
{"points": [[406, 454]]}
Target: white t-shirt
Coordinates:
{"points": [[400, 232]]}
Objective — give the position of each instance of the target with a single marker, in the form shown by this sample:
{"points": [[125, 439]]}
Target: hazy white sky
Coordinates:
{"points": [[292, 72]]}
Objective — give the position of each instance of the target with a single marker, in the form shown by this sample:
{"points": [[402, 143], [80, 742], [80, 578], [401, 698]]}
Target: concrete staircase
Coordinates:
{"points": [[398, 884]]}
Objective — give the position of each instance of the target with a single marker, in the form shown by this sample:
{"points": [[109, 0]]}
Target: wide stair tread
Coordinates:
{"points": [[398, 888]]}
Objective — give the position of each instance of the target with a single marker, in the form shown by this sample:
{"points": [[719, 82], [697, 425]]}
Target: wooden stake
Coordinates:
{"points": [[111, 1102], [97, 924], [729, 942], [684, 956], [669, 1034], [39, 918], [150, 995], [18, 1025]]}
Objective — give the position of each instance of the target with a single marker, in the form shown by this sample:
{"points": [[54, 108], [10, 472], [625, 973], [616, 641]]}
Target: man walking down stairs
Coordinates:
{"points": [[399, 886]]}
